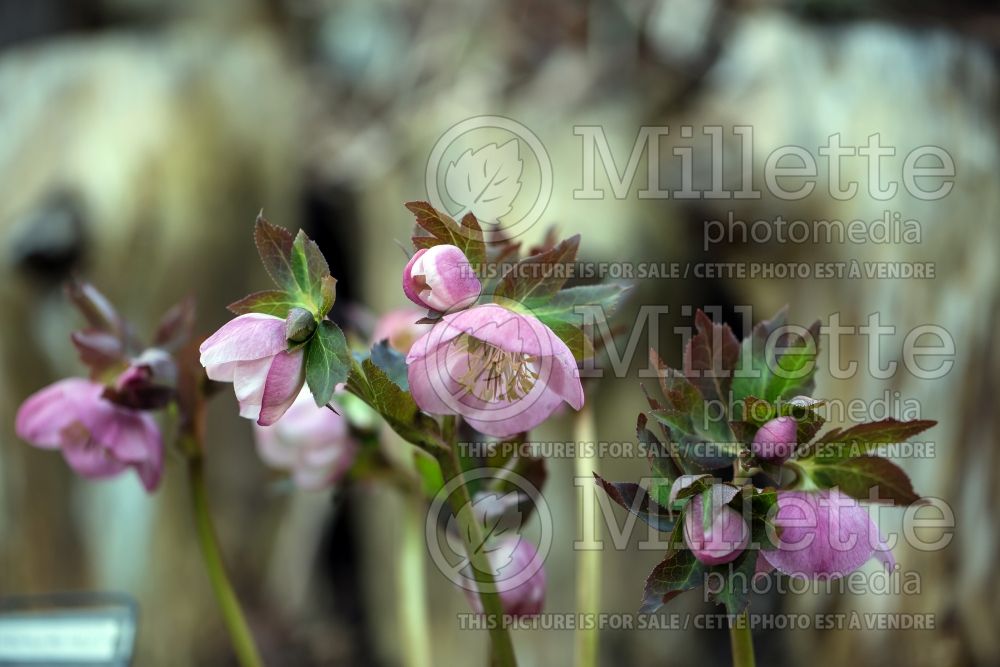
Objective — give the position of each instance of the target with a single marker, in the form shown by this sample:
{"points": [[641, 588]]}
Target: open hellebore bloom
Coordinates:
{"points": [[504, 372], [98, 439], [520, 578], [252, 352], [719, 538], [824, 534], [776, 440], [441, 278], [314, 443], [400, 328]]}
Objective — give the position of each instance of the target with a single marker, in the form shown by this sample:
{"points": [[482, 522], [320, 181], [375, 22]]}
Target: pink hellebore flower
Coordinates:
{"points": [[721, 538], [400, 328], [314, 443], [441, 278], [824, 534], [252, 352], [520, 578], [776, 440], [98, 439], [503, 371]]}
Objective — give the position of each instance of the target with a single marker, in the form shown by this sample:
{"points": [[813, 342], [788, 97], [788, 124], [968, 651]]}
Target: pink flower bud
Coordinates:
{"points": [[313, 443], [98, 439], [441, 278], [719, 538], [776, 440], [519, 576], [251, 351]]}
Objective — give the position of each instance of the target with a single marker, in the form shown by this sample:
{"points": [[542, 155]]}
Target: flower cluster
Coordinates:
{"points": [[104, 424], [806, 520]]}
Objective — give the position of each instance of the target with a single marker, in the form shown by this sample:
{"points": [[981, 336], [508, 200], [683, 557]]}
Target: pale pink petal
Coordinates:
{"points": [[247, 337], [823, 534], [284, 381], [43, 416], [410, 289], [439, 370], [249, 379], [86, 456], [313, 443]]}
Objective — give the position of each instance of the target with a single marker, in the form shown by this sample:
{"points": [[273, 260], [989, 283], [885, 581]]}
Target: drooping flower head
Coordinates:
{"points": [[504, 372], [252, 351], [97, 438], [314, 443], [824, 534]]}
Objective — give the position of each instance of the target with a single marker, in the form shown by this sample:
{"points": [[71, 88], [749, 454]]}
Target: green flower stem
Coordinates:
{"points": [[741, 641], [232, 613], [588, 561], [501, 646]]}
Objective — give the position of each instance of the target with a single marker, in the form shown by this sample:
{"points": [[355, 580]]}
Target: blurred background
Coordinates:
{"points": [[139, 138]]}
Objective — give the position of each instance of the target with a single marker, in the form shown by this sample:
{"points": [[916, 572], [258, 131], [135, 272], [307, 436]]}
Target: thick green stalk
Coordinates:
{"points": [[741, 641], [588, 561], [501, 646]]}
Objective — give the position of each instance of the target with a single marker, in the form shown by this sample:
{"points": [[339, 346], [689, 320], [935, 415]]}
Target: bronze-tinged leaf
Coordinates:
{"points": [[176, 325], [710, 357], [868, 478], [540, 276], [274, 245], [862, 439], [680, 393], [269, 302], [678, 572], [636, 500], [99, 350], [441, 229]]}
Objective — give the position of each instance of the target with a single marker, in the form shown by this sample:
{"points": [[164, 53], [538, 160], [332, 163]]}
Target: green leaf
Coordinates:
{"points": [[860, 439], [328, 361], [397, 407], [309, 268], [328, 295], [710, 357], [559, 313], [661, 458], [269, 302], [678, 572], [539, 276], [858, 476], [274, 245], [391, 362], [635, 499], [701, 442], [737, 578], [774, 363], [442, 230]]}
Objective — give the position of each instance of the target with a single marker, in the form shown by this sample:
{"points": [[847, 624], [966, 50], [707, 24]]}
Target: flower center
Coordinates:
{"points": [[495, 374]]}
